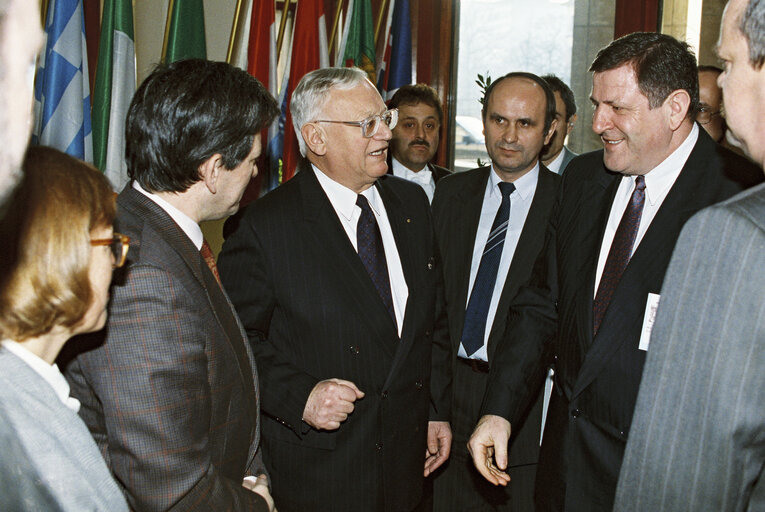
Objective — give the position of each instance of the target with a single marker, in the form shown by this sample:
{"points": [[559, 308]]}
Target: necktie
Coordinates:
{"points": [[372, 253], [421, 177], [478, 306], [620, 253], [210, 260]]}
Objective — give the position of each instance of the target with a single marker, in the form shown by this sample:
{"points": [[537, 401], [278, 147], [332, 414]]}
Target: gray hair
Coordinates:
{"points": [[311, 94], [752, 25]]}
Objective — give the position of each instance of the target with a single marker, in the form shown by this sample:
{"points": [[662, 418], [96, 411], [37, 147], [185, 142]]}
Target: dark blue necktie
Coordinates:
{"points": [[619, 254], [372, 253], [478, 306]]}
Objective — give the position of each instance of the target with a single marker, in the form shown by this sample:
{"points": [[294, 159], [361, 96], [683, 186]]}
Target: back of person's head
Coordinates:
{"points": [[566, 94], [312, 92], [546, 89], [417, 93], [188, 111], [752, 25], [45, 236], [661, 63]]}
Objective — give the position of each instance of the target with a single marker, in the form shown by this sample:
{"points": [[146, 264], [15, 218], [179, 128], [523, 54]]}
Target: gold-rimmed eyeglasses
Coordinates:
{"points": [[371, 124], [119, 244], [706, 114]]}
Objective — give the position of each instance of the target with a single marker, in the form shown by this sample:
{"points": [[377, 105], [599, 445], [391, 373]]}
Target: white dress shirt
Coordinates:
{"points": [[554, 166], [520, 202], [658, 181], [423, 177], [343, 201], [49, 372], [186, 223]]}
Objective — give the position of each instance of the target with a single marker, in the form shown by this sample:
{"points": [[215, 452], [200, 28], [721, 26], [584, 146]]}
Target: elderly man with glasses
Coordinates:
{"points": [[335, 277]]}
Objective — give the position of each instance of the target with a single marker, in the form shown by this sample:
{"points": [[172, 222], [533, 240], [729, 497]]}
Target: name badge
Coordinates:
{"points": [[648, 319]]}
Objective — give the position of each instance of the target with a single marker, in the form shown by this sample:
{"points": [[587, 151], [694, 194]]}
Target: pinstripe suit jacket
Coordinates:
{"points": [[698, 437], [168, 388], [49, 460], [312, 313]]}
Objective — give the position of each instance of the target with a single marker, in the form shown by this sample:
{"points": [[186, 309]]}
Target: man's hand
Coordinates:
{"points": [[330, 403], [488, 445], [260, 486], [439, 445]]}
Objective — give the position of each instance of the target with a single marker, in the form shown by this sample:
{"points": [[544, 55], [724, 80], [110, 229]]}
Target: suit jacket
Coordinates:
{"points": [[312, 313], [437, 171], [49, 460], [168, 389], [698, 437], [597, 379], [568, 155]]}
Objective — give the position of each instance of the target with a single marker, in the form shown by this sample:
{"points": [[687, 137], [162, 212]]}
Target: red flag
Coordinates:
{"points": [[309, 52]]}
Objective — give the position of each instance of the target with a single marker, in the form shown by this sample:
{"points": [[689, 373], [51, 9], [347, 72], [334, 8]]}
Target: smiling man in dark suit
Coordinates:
{"points": [[589, 302], [170, 390], [336, 279], [519, 118]]}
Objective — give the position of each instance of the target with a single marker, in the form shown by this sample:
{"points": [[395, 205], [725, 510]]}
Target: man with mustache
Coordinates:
{"points": [[595, 285], [490, 224], [415, 137]]}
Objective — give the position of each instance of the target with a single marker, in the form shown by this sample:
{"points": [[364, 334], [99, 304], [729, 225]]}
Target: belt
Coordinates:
{"points": [[476, 365]]}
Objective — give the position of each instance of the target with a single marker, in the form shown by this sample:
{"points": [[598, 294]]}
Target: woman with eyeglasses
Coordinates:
{"points": [[57, 252]]}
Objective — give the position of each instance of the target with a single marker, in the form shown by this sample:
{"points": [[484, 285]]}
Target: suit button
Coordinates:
{"points": [[379, 446], [428, 333], [384, 395], [418, 384], [354, 349], [575, 413]]}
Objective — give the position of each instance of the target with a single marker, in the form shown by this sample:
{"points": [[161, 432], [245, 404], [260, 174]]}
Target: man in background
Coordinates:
{"points": [[710, 115], [697, 440], [619, 213], [416, 135], [488, 245], [555, 155]]}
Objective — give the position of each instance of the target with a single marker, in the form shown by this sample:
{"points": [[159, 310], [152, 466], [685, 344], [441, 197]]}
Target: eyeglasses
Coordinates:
{"points": [[706, 114], [119, 244], [370, 125]]}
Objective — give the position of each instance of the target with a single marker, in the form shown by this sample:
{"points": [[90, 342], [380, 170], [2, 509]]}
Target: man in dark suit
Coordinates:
{"points": [[336, 279], [169, 389], [519, 118], [555, 154], [416, 135], [697, 437], [588, 304]]}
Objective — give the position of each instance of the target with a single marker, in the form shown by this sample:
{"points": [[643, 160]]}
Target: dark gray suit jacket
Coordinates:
{"points": [[597, 378], [168, 389], [698, 437], [312, 313]]}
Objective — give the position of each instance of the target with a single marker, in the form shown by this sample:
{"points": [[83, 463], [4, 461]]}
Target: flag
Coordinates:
{"points": [[62, 93], [308, 52], [115, 85], [358, 45], [185, 34], [396, 66]]}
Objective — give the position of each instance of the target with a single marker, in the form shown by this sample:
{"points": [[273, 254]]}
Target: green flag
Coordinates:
{"points": [[185, 36], [359, 39], [113, 90]]}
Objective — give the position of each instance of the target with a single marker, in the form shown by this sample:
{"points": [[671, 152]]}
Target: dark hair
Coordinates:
{"points": [[418, 93], [566, 94], [661, 63], [752, 25], [186, 112], [549, 95]]}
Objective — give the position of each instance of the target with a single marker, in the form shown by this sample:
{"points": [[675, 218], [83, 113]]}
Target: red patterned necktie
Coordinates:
{"points": [[619, 254], [207, 254]]}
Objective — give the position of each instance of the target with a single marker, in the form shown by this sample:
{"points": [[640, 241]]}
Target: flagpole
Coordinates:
{"points": [[234, 31], [167, 29], [338, 11], [379, 21], [282, 26], [43, 11]]}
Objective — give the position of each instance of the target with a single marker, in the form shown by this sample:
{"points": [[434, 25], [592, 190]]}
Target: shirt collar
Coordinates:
{"points": [[343, 199], [524, 186], [50, 373], [187, 225], [664, 175], [422, 176], [554, 166]]}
